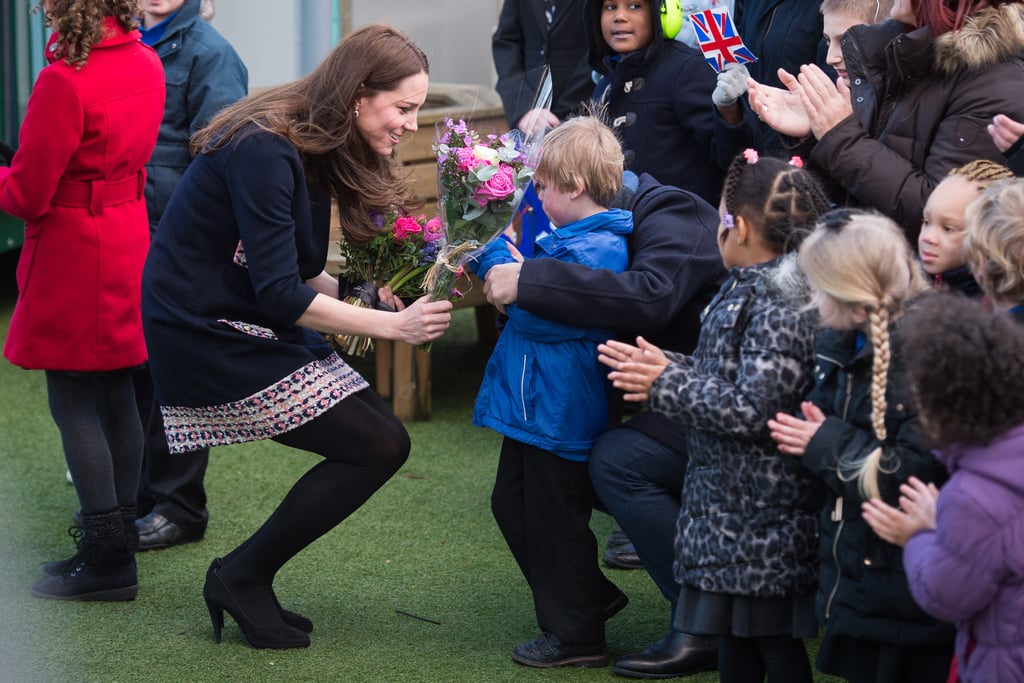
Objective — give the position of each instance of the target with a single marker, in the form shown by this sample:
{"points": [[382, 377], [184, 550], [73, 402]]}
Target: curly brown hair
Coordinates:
{"points": [[79, 23], [315, 114], [966, 370]]}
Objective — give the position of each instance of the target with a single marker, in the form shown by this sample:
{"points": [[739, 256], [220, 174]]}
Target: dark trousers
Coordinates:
{"points": [[542, 504], [640, 482], [171, 485]]}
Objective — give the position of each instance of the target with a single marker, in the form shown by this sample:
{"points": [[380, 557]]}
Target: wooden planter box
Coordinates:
{"points": [[403, 373]]}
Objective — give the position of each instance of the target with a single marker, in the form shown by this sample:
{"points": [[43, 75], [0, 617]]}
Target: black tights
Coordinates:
{"points": [[748, 660], [363, 444], [101, 434]]}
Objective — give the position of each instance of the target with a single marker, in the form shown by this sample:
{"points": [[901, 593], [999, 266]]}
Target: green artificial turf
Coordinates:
{"points": [[425, 545]]}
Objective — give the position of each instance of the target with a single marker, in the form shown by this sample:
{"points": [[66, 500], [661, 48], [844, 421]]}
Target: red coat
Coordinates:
{"points": [[77, 182]]}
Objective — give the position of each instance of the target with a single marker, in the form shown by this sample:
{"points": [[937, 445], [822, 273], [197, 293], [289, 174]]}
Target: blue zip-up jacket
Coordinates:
{"points": [[204, 74], [543, 385]]}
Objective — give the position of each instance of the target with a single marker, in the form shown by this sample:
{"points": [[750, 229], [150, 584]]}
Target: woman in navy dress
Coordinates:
{"points": [[235, 297]]}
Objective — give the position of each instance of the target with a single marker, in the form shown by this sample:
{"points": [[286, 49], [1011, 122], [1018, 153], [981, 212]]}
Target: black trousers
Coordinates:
{"points": [[171, 485], [542, 504]]}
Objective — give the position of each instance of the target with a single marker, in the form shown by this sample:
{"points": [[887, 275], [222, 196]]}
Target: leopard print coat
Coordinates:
{"points": [[749, 521]]}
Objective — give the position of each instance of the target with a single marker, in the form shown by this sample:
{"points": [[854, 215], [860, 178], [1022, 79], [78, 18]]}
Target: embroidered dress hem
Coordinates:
{"points": [[288, 403]]}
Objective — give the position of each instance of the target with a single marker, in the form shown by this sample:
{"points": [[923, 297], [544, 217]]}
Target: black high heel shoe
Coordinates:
{"points": [[219, 599], [293, 619]]}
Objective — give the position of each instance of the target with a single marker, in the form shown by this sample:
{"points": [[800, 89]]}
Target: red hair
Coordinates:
{"points": [[943, 16]]}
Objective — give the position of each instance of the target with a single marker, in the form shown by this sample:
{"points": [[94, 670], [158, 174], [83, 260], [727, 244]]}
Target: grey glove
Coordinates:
{"points": [[732, 83]]}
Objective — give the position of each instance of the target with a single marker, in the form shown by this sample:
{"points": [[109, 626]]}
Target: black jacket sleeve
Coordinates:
{"points": [[675, 269]]}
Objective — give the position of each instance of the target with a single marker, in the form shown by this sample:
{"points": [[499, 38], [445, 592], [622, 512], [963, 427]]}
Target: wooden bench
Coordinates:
{"points": [[403, 372]]}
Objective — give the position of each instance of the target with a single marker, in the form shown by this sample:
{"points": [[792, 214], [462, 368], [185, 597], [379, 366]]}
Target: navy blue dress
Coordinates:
{"points": [[223, 286]]}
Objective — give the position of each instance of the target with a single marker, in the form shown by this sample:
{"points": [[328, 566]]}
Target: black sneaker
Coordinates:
{"points": [[548, 651]]}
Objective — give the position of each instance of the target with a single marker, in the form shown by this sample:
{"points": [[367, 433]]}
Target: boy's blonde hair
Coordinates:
{"points": [[583, 151], [862, 259], [994, 244], [871, 11]]}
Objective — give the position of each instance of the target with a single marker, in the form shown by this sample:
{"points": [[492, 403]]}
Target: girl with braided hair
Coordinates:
{"points": [[940, 245], [861, 437], [746, 543]]}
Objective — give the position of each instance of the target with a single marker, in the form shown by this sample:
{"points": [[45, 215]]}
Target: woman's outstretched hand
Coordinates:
{"points": [[634, 368], [423, 321]]}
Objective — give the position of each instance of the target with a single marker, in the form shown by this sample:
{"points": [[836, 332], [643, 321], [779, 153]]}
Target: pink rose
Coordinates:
{"points": [[433, 231], [406, 227], [467, 159], [498, 187]]}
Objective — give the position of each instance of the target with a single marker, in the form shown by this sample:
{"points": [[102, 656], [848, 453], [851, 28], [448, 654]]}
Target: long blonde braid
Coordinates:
{"points": [[861, 259]]}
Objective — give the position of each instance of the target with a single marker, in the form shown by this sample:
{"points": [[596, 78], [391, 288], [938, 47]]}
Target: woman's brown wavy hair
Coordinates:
{"points": [[79, 23], [315, 114]]}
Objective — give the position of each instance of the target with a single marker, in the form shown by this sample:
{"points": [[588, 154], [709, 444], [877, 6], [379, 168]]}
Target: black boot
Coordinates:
{"points": [[58, 567], [103, 568], [676, 654], [131, 530]]}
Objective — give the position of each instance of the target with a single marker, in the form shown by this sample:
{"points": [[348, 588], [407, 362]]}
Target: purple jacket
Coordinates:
{"points": [[970, 569]]}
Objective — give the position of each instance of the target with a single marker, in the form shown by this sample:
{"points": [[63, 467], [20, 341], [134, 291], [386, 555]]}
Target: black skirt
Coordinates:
{"points": [[705, 613]]}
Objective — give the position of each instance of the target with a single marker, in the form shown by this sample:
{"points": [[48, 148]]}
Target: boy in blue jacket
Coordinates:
{"points": [[544, 390]]}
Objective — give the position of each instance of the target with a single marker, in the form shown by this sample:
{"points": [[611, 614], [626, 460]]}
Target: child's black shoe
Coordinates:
{"points": [[548, 651]]}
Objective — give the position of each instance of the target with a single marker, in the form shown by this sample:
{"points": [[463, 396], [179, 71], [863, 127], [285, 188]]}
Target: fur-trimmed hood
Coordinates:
{"points": [[990, 36]]}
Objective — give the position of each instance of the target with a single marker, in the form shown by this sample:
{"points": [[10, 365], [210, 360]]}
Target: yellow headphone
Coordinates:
{"points": [[671, 18]]}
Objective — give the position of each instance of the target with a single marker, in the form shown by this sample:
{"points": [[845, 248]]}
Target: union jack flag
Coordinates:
{"points": [[718, 39]]}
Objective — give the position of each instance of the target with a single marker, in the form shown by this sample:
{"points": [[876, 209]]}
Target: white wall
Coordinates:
{"points": [[455, 34], [267, 40]]}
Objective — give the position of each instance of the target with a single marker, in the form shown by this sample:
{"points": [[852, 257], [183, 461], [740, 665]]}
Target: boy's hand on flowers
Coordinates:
{"points": [[732, 84], [634, 368], [792, 433], [916, 512]]}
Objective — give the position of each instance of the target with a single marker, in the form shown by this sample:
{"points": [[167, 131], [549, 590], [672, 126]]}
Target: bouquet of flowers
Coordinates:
{"points": [[482, 182], [397, 257]]}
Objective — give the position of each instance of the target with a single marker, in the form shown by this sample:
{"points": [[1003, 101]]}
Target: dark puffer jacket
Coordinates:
{"points": [[659, 103], [920, 107], [748, 525], [204, 74], [864, 592]]}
